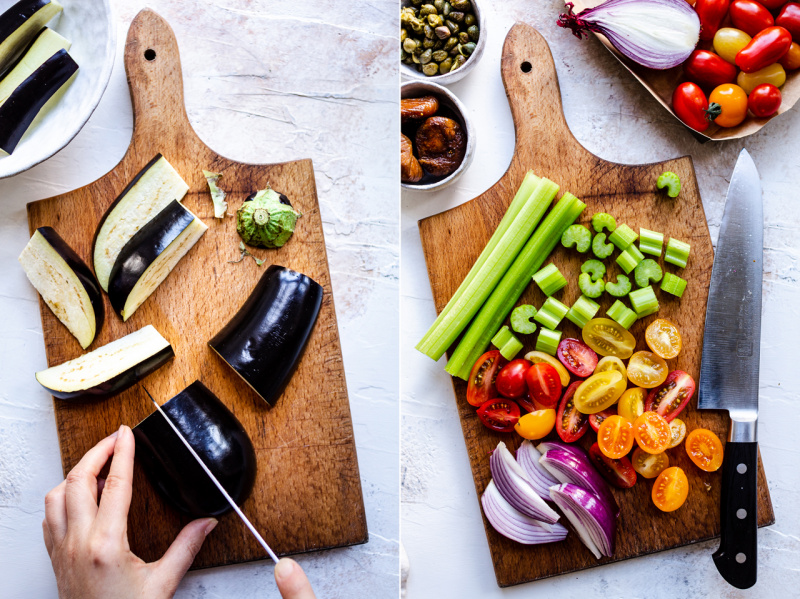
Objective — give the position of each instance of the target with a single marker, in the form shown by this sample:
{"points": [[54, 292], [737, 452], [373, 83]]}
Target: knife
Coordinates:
{"points": [[729, 368], [214, 480]]}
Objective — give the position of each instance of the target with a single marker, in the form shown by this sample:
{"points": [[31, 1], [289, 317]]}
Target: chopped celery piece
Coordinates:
{"points": [[521, 319], [650, 242], [548, 341], [644, 301], [630, 258], [502, 337], [600, 248], [647, 270], [508, 345], [623, 236], [590, 288], [671, 181], [619, 289], [579, 236], [551, 313], [595, 268], [621, 314], [550, 279], [582, 311], [673, 284], [601, 221], [677, 252]]}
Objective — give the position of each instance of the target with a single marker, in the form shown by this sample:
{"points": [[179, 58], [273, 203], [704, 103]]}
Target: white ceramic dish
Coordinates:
{"points": [[415, 89], [90, 26]]}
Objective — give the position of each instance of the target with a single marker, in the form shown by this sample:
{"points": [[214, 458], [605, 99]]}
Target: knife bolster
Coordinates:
{"points": [[744, 428]]}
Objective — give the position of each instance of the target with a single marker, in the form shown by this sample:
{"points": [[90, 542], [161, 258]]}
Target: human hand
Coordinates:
{"points": [[88, 542], [292, 581]]}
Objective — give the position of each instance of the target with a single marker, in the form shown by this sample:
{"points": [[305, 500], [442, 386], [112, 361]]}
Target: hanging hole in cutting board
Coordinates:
{"points": [[526, 67], [150, 54]]}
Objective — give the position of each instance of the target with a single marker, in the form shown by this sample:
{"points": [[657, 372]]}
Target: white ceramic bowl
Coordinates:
{"points": [[416, 89], [90, 26], [409, 73]]}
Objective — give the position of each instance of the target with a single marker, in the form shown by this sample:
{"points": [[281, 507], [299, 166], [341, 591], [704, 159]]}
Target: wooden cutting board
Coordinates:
{"points": [[307, 495], [453, 240]]}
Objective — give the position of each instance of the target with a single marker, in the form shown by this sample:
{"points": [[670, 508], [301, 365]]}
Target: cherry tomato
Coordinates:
{"points": [[750, 16], [579, 358], [652, 432], [732, 102], [766, 47], [671, 397], [499, 414], [571, 424], [708, 70], [510, 380], [773, 5], [646, 369], [481, 386], [536, 425], [649, 465], [690, 105], [544, 384], [678, 429], [609, 338], [711, 13], [631, 404], [704, 449], [619, 473], [789, 19], [539, 356], [728, 42], [663, 338], [611, 363], [670, 489], [615, 437], [595, 420], [773, 74], [764, 100], [599, 391], [791, 60]]}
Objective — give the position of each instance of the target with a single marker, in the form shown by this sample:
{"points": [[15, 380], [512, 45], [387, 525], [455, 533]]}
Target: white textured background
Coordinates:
{"points": [[614, 117], [266, 81]]}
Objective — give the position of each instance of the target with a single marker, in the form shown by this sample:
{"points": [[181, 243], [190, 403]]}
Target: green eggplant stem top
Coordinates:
{"points": [[265, 221]]}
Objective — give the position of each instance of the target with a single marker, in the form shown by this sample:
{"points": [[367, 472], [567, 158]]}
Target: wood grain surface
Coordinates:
{"points": [[453, 240], [307, 494]]}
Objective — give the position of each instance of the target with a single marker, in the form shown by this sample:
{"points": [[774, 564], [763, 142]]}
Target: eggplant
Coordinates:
{"points": [[20, 23], [150, 191], [65, 283], [150, 255], [265, 339], [109, 369], [216, 436]]}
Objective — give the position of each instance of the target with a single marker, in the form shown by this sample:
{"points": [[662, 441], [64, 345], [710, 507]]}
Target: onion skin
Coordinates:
{"points": [[578, 469], [514, 525]]}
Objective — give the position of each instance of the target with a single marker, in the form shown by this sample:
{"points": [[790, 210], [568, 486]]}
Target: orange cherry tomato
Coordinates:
{"points": [[670, 489], [704, 449], [791, 60], [663, 338], [678, 429], [652, 432], [631, 404], [732, 103], [536, 425], [646, 369], [615, 437], [649, 465]]}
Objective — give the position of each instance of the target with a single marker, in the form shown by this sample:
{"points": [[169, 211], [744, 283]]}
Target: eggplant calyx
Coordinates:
{"points": [[265, 220]]}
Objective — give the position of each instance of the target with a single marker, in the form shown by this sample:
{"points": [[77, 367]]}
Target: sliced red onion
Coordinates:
{"points": [[593, 521], [546, 446], [541, 480], [515, 486], [577, 468], [515, 525], [658, 34]]}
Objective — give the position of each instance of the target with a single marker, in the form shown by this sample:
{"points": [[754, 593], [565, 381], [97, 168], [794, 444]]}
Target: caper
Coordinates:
{"points": [[444, 66], [435, 21], [442, 32], [426, 43], [448, 8], [439, 5], [450, 44], [428, 30], [466, 49], [462, 5], [438, 45], [418, 50], [416, 25], [459, 61], [427, 9], [416, 2], [415, 59], [474, 33], [453, 27], [426, 57], [463, 37], [430, 69], [410, 45], [454, 51], [469, 19], [456, 16], [439, 55], [403, 55], [403, 35]]}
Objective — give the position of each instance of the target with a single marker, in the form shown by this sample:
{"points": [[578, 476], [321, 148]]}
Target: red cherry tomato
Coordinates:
{"points": [[773, 5], [595, 420], [669, 398], [764, 100], [708, 70], [766, 47], [481, 385], [511, 379], [499, 414], [750, 16], [619, 472], [690, 105], [571, 424], [791, 60], [789, 19], [711, 13], [579, 358], [544, 384]]}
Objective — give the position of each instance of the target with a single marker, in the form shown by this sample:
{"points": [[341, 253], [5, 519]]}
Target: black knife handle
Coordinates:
{"points": [[736, 557]]}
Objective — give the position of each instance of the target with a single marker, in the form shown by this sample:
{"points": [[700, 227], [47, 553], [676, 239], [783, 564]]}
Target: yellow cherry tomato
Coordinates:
{"points": [[598, 392], [539, 356], [608, 338], [536, 425], [615, 437], [611, 363], [728, 42], [791, 60], [646, 369], [649, 465], [663, 338], [678, 430], [733, 102], [631, 404], [670, 489], [773, 74]]}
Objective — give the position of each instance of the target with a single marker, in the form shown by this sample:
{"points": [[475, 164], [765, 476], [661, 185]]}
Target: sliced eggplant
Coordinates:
{"points": [[150, 255], [218, 439], [110, 369], [265, 339], [156, 185], [20, 24], [46, 43], [65, 283]]}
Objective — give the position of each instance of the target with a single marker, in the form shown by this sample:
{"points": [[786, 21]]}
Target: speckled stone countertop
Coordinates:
{"points": [[614, 117], [266, 81]]}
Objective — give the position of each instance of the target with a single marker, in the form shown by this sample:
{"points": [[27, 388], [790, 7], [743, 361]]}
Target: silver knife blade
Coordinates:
{"points": [[732, 338], [214, 480]]}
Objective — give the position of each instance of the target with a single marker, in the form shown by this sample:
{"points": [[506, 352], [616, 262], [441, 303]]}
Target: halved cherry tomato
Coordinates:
{"points": [[728, 42], [499, 414], [691, 106], [611, 363], [704, 449], [599, 391], [615, 437], [649, 465], [729, 103], [789, 19], [619, 472], [711, 13], [750, 16], [511, 379], [708, 70], [766, 47], [539, 356], [571, 424], [631, 404], [579, 358], [608, 338], [663, 338], [646, 369], [526, 402], [652, 432], [670, 489], [672, 396], [791, 60], [544, 384], [774, 74], [595, 420], [678, 429], [536, 425], [764, 100], [481, 386]]}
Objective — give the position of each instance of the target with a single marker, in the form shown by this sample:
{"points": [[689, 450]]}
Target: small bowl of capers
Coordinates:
{"points": [[440, 40]]}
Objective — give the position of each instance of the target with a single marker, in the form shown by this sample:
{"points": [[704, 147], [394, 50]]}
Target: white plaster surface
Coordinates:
{"points": [[614, 117], [265, 81]]}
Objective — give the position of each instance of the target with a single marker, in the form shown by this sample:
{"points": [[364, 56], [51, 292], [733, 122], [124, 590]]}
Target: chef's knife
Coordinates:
{"points": [[729, 369], [214, 480]]}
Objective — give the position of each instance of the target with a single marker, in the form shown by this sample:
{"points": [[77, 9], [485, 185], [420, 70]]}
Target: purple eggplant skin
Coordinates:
{"points": [[282, 198], [264, 340], [219, 440], [142, 249], [18, 112], [12, 19]]}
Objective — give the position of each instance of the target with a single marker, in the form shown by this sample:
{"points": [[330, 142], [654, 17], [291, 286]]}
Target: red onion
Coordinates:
{"points": [[593, 520], [515, 525], [541, 480], [570, 467], [576, 450], [516, 488], [658, 34]]}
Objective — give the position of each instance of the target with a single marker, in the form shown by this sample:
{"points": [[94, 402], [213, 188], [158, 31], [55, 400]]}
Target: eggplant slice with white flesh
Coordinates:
{"points": [[150, 255], [216, 436], [65, 283], [265, 339], [110, 369], [20, 24], [156, 185]]}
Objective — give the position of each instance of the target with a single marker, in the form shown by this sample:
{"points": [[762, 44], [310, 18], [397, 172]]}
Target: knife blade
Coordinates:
{"points": [[730, 367], [214, 480]]}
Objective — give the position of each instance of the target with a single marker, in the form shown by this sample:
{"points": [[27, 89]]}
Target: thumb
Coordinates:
{"points": [[292, 581], [172, 567]]}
